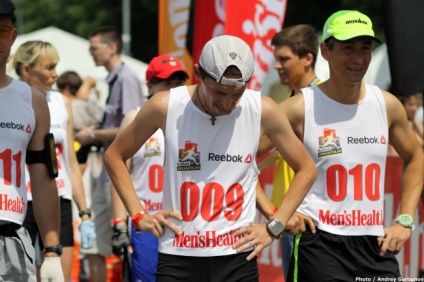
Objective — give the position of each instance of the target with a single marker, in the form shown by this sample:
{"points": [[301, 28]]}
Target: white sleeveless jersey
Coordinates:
{"points": [[147, 172], [349, 146], [17, 124], [210, 174], [58, 127]]}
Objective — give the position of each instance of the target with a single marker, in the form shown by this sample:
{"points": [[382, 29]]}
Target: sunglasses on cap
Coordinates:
{"points": [[5, 30]]}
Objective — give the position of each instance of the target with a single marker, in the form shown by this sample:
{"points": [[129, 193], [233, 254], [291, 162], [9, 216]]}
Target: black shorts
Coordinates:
{"points": [[66, 228], [231, 268], [325, 256], [84, 151], [82, 154]]}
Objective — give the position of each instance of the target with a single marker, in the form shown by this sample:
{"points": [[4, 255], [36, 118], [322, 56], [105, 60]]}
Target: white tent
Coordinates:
{"points": [[74, 55]]}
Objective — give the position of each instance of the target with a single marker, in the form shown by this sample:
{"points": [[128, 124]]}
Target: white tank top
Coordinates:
{"points": [[17, 124], [147, 172], [349, 146], [58, 126], [210, 174]]}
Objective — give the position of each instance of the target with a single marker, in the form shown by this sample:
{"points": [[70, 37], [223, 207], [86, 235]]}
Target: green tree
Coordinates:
{"points": [[80, 17]]}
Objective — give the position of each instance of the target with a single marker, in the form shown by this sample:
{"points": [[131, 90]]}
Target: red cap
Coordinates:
{"points": [[163, 67]]}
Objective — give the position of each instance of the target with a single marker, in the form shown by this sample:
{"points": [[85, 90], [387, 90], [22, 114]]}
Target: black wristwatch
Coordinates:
{"points": [[56, 249], [87, 212], [275, 228]]}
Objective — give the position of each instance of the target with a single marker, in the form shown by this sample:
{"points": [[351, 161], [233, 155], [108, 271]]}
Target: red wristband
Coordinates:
{"points": [[274, 211], [117, 220], [137, 218]]}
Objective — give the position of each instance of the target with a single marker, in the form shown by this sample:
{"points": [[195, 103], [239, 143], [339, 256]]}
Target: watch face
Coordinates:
{"points": [[59, 249], [275, 227], [405, 220]]}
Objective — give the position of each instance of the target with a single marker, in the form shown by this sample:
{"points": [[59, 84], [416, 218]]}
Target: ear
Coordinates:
{"points": [[196, 72], [15, 34], [113, 47], [149, 88], [309, 58], [324, 50], [25, 68]]}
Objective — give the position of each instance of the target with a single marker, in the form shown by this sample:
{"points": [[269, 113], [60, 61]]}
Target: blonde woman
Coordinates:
{"points": [[35, 63]]}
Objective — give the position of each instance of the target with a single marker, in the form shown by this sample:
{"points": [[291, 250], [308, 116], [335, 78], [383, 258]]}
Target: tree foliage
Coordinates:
{"points": [[81, 16]]}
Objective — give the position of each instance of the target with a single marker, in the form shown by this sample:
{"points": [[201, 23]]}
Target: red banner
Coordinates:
{"points": [[209, 21], [256, 22], [173, 26]]}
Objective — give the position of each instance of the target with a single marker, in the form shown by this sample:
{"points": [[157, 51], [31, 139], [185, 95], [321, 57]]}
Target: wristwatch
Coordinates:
{"points": [[406, 221], [92, 134], [85, 212], [275, 227], [56, 249]]}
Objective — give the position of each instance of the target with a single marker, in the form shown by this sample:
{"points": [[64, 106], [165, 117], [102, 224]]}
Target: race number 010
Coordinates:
{"points": [[367, 180]]}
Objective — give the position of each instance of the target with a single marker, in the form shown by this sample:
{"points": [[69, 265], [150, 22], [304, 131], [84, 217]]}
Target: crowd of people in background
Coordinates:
{"points": [[178, 164]]}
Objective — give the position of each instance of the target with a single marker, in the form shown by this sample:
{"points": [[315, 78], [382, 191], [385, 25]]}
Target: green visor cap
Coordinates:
{"points": [[344, 25]]}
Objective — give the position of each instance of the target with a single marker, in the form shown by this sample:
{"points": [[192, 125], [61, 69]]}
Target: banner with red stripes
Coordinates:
{"points": [[256, 22], [173, 27]]}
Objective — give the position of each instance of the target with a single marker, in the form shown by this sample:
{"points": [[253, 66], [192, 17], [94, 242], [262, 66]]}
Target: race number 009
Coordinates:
{"points": [[212, 201]]}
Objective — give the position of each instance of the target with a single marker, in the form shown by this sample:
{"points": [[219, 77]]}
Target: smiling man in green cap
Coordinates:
{"points": [[346, 126]]}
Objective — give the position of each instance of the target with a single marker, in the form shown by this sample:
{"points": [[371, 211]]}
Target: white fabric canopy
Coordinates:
{"points": [[74, 55]]}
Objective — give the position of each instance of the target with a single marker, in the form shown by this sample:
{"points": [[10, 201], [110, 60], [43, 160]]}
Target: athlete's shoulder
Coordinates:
{"points": [[38, 96]]}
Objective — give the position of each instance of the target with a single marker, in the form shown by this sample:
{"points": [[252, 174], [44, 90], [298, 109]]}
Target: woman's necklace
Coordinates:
{"points": [[213, 118]]}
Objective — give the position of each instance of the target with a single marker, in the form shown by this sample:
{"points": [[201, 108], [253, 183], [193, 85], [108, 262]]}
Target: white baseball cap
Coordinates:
{"points": [[223, 51]]}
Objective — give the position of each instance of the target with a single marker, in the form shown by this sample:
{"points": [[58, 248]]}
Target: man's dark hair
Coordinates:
{"points": [[109, 34], [330, 42], [230, 71], [71, 79], [7, 10], [301, 39], [178, 75]]}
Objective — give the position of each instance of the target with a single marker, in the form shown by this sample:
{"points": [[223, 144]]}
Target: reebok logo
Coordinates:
{"points": [[356, 21], [362, 140], [57, 126], [12, 125], [225, 158]]}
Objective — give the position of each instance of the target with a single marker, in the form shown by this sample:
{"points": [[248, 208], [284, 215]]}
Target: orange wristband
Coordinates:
{"points": [[137, 218], [274, 211]]}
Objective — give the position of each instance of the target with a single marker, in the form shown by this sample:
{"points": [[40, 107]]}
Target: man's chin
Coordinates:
{"points": [[284, 81], [283, 78]]}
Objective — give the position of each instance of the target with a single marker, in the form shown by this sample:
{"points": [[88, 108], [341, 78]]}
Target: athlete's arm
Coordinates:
{"points": [[74, 169], [44, 190], [118, 208], [263, 203], [276, 126], [88, 134], [404, 141], [151, 117]]}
